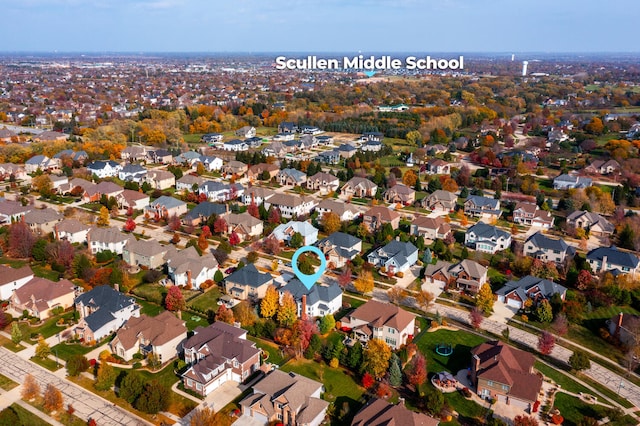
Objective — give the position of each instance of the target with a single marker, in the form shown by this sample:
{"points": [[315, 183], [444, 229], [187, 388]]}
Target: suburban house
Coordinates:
{"points": [[161, 336], [58, 182], [346, 150], [505, 373], [248, 283], [67, 155], [103, 310], [611, 259], [625, 328], [603, 167], [160, 156], [569, 182], [530, 214], [235, 145], [132, 173], [212, 138], [395, 256], [345, 211], [71, 230], [323, 182], [42, 221], [219, 191], [93, 193], [440, 200], [477, 206], [210, 163], [383, 321], [487, 238], [102, 239], [360, 188], [291, 177], [12, 279], [39, 296], [147, 253], [378, 412], [285, 398], [234, 167], [466, 275], [515, 293], [287, 127], [104, 169], [189, 182], [285, 231], [12, 211], [246, 132], [186, 267], [8, 169], [244, 225], [166, 207], [217, 354], [547, 249], [40, 162], [595, 224], [291, 205], [400, 193], [430, 228], [339, 248], [257, 195], [377, 216], [329, 157], [160, 179], [186, 158], [134, 153], [132, 199], [371, 146], [256, 171], [437, 166], [318, 301], [201, 213]]}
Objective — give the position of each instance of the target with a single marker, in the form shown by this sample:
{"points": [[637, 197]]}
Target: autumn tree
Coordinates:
{"points": [[174, 300], [206, 417], [344, 279], [203, 244], [244, 314], [331, 222], [584, 280], [413, 137], [396, 295], [560, 324], [476, 317], [368, 380], [52, 398], [327, 323], [546, 342], [16, 333], [302, 332], [269, 303], [376, 358], [106, 377], [43, 185], [524, 420], [21, 239], [424, 299], [417, 370], [103, 218], [76, 364], [450, 185], [43, 350], [364, 282], [156, 397], [271, 245], [544, 312], [234, 238], [225, 314], [253, 210], [287, 311], [30, 388], [274, 215], [484, 299], [410, 178], [130, 225], [220, 226]]}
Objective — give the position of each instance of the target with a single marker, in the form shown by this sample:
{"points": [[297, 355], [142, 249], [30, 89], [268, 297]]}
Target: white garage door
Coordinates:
{"points": [[514, 303]]}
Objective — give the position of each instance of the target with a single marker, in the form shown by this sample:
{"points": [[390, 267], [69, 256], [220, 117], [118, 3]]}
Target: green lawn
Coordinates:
{"points": [[271, 348], [47, 329], [574, 410], [26, 417], [152, 292], [45, 271], [149, 308], [461, 341], [561, 378], [7, 343], [14, 263], [206, 301], [6, 383], [192, 320], [65, 351], [46, 363], [467, 408]]}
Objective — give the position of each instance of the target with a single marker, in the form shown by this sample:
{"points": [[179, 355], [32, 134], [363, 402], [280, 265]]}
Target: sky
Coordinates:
{"points": [[318, 26]]}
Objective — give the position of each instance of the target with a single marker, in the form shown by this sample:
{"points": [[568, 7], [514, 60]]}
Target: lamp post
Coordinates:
{"points": [[620, 386]]}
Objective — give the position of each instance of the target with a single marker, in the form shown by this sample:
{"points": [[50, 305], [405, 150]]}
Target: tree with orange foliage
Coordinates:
{"points": [[449, 185]]}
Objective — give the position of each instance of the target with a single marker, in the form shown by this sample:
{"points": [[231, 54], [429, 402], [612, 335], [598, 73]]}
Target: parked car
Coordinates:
{"points": [[230, 270]]}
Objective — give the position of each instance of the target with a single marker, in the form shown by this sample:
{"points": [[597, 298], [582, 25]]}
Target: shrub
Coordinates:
{"points": [[151, 276]]}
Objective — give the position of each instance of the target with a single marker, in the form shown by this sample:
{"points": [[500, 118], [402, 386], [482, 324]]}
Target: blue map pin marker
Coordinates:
{"points": [[308, 280], [370, 73]]}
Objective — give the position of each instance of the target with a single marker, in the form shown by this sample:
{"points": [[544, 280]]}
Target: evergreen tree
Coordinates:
{"points": [[395, 373], [354, 357]]}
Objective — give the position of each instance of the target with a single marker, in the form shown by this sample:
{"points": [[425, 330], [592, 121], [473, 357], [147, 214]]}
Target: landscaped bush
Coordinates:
{"points": [[105, 256], [151, 276]]}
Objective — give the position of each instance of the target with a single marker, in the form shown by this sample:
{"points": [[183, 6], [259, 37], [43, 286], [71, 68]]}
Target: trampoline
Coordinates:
{"points": [[444, 349]]}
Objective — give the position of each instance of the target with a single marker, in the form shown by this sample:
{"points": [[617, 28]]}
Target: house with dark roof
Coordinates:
{"points": [[515, 293], [217, 354], [187, 268], [291, 177], [103, 310], [611, 259], [378, 412], [395, 256], [329, 157], [487, 238], [286, 398], [505, 373], [530, 214], [318, 301], [248, 283], [287, 127], [12, 279], [440, 200], [595, 224], [566, 181], [477, 206], [383, 321], [132, 172], [161, 336], [201, 212], [104, 169], [539, 246], [466, 275], [39, 296], [339, 248]]}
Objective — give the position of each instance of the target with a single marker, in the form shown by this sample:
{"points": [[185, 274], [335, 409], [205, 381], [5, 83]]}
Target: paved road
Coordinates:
{"points": [[87, 404]]}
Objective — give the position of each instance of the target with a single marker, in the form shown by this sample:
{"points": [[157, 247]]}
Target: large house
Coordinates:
{"points": [[530, 214], [502, 372], [132, 172], [160, 179], [477, 206], [285, 398], [465, 275], [104, 169], [339, 248], [217, 354], [166, 207], [611, 259], [203, 211], [323, 182], [487, 238], [132, 199], [377, 216], [189, 183], [317, 301], [595, 224], [360, 188], [12, 211], [257, 195], [291, 177], [603, 167], [103, 310], [146, 253], [39, 296], [42, 221], [161, 336], [257, 171], [430, 228], [244, 225], [378, 412], [395, 256], [71, 230], [401, 194], [103, 239], [437, 166], [291, 205], [569, 182], [186, 267], [383, 321], [345, 211], [515, 293], [548, 249], [219, 191], [12, 279], [285, 231], [248, 283]]}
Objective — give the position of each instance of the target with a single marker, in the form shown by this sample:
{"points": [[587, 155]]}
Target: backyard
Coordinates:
{"points": [[461, 342]]}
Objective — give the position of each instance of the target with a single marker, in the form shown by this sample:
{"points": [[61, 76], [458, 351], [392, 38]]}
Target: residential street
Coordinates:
{"points": [[86, 404]]}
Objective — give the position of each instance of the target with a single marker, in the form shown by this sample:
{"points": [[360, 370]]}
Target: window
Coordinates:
{"points": [[189, 382], [490, 383], [199, 386], [505, 387]]}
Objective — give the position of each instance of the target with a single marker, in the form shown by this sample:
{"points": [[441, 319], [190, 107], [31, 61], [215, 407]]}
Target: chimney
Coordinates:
{"points": [[189, 278], [303, 307], [604, 264], [116, 287], [55, 229], [619, 327]]}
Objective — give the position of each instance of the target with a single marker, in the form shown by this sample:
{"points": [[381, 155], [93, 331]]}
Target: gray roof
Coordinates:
{"points": [[482, 230], [168, 202], [104, 301], [543, 242], [99, 165], [133, 168], [396, 250], [106, 235], [614, 256], [206, 209], [249, 276], [317, 293], [296, 175], [592, 218], [484, 202], [547, 288]]}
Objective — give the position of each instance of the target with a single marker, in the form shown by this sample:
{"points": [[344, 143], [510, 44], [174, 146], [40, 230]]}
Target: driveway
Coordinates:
{"points": [[223, 395], [502, 312], [247, 421]]}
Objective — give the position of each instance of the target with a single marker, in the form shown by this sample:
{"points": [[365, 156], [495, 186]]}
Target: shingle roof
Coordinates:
{"points": [[249, 276], [379, 314], [379, 412], [206, 209], [614, 256], [9, 274], [546, 287], [542, 241], [482, 230]]}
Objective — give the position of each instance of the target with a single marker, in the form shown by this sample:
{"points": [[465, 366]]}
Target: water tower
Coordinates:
{"points": [[524, 68]]}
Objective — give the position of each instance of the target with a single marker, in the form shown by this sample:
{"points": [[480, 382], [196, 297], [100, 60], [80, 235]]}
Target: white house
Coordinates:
{"points": [[104, 169], [285, 231], [71, 230], [318, 301], [12, 279], [291, 205], [187, 268], [396, 256], [102, 239], [487, 238]]}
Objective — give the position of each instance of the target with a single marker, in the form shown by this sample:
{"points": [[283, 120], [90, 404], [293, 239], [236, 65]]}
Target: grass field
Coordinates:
{"points": [[65, 351], [6, 383], [7, 343], [152, 292], [207, 300], [47, 363], [27, 417], [47, 329], [575, 410], [271, 348], [461, 341], [560, 378]]}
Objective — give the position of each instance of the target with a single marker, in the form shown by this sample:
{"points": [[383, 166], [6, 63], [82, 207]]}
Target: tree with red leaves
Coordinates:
{"points": [[62, 253], [546, 342], [253, 210], [174, 300], [367, 380], [302, 332], [220, 226], [274, 215], [130, 211], [202, 197], [21, 239], [206, 231], [130, 225], [225, 314], [417, 370], [475, 318], [344, 279], [272, 245], [584, 280], [174, 223], [234, 239], [522, 420]]}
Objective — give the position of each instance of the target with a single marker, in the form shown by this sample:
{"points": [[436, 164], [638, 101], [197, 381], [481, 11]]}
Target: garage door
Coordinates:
{"points": [[514, 303], [260, 417]]}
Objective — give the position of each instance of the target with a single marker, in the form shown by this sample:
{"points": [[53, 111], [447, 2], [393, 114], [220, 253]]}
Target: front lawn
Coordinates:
{"points": [[46, 329], [152, 292], [574, 410], [560, 378], [149, 308], [206, 301], [26, 417], [6, 383], [461, 341], [468, 409], [47, 363], [7, 343], [65, 351]]}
